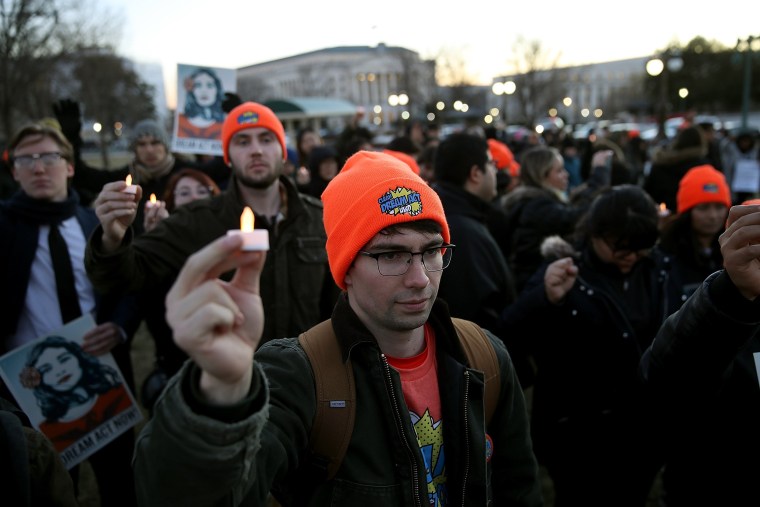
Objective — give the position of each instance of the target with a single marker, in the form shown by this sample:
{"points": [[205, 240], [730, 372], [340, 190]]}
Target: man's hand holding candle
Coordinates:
{"points": [[219, 324], [116, 209]]}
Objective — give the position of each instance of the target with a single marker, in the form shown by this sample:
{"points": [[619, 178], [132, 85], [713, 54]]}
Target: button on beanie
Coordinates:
{"points": [[250, 115], [149, 128], [700, 185], [374, 190]]}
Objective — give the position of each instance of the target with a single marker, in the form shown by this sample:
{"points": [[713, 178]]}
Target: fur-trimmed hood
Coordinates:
{"points": [[556, 247]]}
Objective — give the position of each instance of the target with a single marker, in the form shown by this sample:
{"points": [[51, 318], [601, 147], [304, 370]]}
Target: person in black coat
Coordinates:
{"points": [[586, 316]]}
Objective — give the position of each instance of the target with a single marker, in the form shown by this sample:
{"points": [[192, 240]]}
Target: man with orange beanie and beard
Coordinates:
{"points": [[297, 290], [230, 428]]}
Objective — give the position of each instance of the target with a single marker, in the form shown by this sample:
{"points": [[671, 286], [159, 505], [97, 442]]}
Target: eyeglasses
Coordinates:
{"points": [[397, 262], [48, 159], [622, 253]]}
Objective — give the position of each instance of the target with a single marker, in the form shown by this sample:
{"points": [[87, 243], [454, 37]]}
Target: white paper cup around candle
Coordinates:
{"points": [[131, 189], [253, 239]]}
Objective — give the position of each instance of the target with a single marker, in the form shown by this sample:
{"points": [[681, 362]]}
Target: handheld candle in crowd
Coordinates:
{"points": [[253, 239], [131, 189], [152, 201], [663, 211]]}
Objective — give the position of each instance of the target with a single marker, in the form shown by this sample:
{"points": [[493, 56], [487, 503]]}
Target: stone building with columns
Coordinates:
{"points": [[360, 76]]}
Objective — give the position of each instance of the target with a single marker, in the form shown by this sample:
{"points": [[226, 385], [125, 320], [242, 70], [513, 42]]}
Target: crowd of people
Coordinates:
{"points": [[615, 286]]}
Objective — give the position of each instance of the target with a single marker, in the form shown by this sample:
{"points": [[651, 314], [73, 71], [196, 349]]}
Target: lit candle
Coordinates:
{"points": [[151, 202], [253, 239], [131, 189], [664, 211]]}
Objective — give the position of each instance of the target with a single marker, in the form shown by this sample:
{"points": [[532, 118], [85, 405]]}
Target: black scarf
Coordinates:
{"points": [[28, 214], [41, 212]]}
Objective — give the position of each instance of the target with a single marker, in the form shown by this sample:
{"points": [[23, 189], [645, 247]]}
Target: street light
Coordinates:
{"points": [[504, 88], [661, 67]]}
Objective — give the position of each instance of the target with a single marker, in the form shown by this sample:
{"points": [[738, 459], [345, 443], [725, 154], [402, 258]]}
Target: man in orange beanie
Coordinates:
{"points": [[419, 434], [296, 287]]}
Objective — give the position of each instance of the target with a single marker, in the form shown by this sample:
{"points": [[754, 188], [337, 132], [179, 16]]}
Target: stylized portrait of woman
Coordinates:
{"points": [[74, 390], [202, 116]]}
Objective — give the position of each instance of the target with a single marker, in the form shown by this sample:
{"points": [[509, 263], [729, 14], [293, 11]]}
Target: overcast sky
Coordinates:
{"points": [[236, 33]]}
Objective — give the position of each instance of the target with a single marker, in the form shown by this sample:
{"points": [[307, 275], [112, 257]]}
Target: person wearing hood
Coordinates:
{"points": [[323, 166]]}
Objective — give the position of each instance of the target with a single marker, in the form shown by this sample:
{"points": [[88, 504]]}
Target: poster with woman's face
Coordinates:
{"points": [[199, 116], [79, 401]]}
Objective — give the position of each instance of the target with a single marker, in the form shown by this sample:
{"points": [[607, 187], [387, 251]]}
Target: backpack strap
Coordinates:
{"points": [[336, 390], [336, 395], [481, 356]]}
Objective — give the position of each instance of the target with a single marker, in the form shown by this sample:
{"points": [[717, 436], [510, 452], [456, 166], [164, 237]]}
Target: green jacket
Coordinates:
{"points": [[296, 287], [187, 455]]}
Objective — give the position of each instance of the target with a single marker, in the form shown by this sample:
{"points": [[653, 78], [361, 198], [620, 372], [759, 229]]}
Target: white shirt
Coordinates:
{"points": [[42, 314]]}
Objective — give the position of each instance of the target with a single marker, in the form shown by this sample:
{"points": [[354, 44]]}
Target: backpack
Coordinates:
{"points": [[336, 390]]}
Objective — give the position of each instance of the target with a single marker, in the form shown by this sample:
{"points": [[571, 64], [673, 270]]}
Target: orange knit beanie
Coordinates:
{"points": [[406, 158], [700, 185], [503, 157], [249, 115], [373, 191]]}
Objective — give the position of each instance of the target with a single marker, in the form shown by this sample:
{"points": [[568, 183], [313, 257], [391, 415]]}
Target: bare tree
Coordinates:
{"points": [[111, 92], [35, 37], [451, 68], [417, 79], [539, 84]]}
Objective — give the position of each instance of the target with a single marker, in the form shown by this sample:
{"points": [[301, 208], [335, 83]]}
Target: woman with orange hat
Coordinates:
{"points": [[691, 237]]}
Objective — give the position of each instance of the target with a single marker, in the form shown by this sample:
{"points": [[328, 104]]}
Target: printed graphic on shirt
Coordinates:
{"points": [[430, 440], [401, 200]]}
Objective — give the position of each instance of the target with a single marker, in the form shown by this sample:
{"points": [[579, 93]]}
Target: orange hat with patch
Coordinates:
{"points": [[700, 185], [250, 115], [374, 190]]}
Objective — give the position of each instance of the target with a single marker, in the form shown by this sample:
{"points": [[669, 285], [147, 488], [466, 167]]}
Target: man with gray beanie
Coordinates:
{"points": [[151, 166]]}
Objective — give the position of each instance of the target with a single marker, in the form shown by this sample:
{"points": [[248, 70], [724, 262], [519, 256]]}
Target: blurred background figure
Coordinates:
{"points": [[741, 151], [670, 164], [306, 140], [539, 207], [323, 166]]}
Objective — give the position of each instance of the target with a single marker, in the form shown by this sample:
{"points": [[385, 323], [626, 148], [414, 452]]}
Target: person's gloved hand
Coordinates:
{"points": [[231, 101], [69, 115]]}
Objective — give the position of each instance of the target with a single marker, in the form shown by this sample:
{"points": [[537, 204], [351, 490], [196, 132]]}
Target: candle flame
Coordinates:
{"points": [[153, 198], [246, 220], [129, 179], [663, 207]]}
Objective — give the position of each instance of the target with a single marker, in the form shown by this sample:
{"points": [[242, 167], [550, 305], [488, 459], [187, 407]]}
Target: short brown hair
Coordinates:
{"points": [[37, 130]]}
